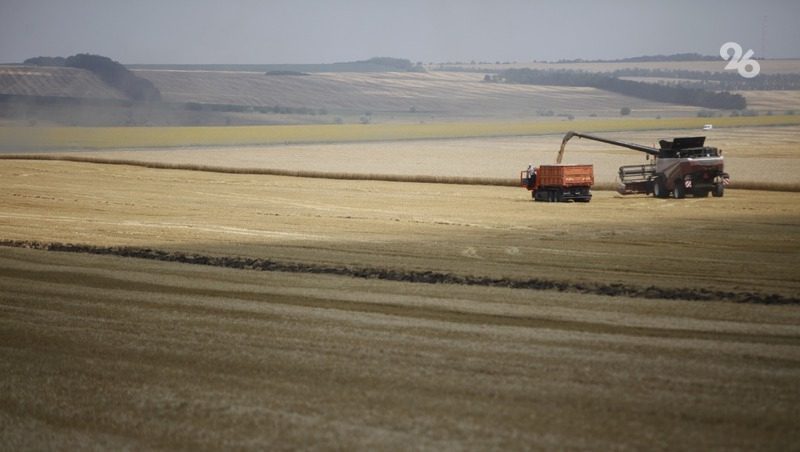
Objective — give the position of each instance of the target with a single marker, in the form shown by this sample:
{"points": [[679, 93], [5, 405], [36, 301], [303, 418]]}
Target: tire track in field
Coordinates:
{"points": [[85, 280], [423, 277]]}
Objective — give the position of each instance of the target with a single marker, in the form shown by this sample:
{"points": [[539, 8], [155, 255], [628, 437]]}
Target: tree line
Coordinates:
{"points": [[660, 93], [728, 81]]}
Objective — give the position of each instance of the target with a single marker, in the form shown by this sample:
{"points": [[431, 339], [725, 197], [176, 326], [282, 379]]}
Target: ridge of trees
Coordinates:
{"points": [[45, 61], [109, 71], [650, 91], [687, 56], [728, 81]]}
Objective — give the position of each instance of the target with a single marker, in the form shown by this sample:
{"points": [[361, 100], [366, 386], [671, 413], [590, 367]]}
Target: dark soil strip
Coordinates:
{"points": [[425, 277]]}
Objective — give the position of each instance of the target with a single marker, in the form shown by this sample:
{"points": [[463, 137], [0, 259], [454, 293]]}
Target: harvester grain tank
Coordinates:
{"points": [[679, 167]]}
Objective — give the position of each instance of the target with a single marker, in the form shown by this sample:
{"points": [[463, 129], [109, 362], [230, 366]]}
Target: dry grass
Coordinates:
{"points": [[777, 102]]}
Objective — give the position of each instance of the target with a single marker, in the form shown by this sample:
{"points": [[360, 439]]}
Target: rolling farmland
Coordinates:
{"points": [[434, 95], [328, 98], [58, 82], [147, 308]]}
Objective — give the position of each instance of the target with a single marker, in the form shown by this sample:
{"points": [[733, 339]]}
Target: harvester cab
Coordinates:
{"points": [[679, 167]]}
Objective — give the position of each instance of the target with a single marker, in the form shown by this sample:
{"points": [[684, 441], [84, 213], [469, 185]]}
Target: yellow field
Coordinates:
{"points": [[494, 231], [765, 157], [23, 138], [109, 352]]}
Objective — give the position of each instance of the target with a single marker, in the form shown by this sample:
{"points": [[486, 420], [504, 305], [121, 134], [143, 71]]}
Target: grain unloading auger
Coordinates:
{"points": [[681, 166]]}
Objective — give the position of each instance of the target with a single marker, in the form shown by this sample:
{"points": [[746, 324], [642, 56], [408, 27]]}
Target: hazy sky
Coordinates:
{"points": [[312, 31]]}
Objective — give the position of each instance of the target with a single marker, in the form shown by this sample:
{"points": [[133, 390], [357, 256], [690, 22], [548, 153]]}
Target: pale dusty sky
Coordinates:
{"points": [[317, 31]]}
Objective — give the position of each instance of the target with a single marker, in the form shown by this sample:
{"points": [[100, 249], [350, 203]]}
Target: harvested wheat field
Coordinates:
{"points": [[754, 156], [147, 308]]}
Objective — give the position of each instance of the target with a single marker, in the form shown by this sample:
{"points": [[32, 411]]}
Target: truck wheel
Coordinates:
{"points": [[659, 191], [680, 190], [719, 191]]}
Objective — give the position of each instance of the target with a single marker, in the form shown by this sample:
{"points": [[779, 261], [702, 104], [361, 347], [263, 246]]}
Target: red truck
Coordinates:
{"points": [[559, 183]]}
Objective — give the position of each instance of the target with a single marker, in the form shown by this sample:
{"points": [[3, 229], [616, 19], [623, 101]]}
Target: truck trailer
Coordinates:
{"points": [[559, 183]]}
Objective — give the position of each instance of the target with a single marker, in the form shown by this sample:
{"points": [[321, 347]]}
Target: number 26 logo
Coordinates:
{"points": [[739, 62]]}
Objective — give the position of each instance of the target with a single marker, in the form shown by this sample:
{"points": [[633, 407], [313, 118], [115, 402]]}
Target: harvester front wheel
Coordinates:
{"points": [[680, 190], [659, 191]]}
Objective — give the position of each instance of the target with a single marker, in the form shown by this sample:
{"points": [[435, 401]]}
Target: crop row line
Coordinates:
{"points": [[416, 178]]}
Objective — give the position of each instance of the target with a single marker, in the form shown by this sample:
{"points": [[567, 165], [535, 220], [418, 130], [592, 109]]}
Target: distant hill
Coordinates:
{"points": [[109, 71], [651, 58], [377, 64], [55, 82]]}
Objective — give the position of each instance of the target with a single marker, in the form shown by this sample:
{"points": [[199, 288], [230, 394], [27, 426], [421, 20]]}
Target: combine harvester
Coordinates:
{"points": [[679, 167]]}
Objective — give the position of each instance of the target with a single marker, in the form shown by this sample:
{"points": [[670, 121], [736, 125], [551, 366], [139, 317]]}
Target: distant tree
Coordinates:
{"points": [[45, 61], [625, 111], [286, 73], [116, 75]]}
